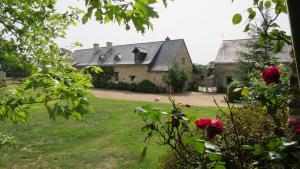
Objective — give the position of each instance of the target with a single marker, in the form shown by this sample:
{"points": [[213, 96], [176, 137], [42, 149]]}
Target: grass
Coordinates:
{"points": [[109, 137]]}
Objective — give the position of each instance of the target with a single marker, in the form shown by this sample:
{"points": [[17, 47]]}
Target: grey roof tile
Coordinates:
{"points": [[229, 51], [160, 55]]}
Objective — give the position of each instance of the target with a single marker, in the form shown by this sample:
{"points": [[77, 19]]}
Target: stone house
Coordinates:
{"points": [[136, 62], [227, 60]]}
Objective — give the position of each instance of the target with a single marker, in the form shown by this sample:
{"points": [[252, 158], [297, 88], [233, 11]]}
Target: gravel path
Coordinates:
{"points": [[192, 98]]}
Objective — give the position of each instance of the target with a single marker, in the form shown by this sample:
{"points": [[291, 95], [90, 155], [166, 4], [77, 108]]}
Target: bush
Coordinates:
{"points": [[250, 125], [233, 96], [132, 86], [146, 86], [222, 89], [101, 80], [121, 86], [193, 86]]}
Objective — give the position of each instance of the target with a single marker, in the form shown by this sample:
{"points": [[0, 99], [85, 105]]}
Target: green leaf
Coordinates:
{"points": [[236, 19], [274, 145], [220, 167], [245, 92], [247, 27], [199, 146], [261, 5], [268, 4], [143, 154]]}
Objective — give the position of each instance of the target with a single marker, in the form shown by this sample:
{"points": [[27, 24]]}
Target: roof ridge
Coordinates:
{"points": [[239, 39], [131, 44]]}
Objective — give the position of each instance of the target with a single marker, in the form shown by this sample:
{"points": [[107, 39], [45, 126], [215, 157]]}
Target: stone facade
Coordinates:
{"points": [[133, 63], [226, 65], [139, 72], [226, 73]]}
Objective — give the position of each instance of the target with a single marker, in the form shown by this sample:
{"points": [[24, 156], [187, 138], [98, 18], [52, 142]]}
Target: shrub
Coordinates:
{"points": [[146, 86], [232, 95], [121, 86], [132, 86], [222, 89], [176, 77], [250, 125], [101, 80], [193, 86]]}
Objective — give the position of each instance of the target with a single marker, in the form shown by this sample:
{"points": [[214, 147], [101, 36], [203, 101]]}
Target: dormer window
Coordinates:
{"points": [[139, 54]]}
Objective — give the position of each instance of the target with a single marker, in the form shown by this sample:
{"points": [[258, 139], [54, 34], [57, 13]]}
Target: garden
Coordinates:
{"points": [[109, 137], [49, 119]]}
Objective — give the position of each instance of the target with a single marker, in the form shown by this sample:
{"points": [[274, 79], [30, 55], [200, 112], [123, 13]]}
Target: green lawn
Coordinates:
{"points": [[109, 137]]}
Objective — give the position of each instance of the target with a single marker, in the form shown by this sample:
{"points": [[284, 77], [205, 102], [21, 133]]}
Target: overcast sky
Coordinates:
{"points": [[203, 24]]}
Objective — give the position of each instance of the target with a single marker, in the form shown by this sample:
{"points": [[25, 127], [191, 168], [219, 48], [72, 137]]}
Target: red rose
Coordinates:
{"points": [[217, 125], [215, 128], [271, 75], [295, 123], [203, 123]]}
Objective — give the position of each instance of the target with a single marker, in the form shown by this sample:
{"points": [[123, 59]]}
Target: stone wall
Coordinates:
{"points": [[184, 61], [140, 72], [225, 71]]}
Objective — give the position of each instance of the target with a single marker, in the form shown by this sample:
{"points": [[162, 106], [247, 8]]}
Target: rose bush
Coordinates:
{"points": [[253, 134]]}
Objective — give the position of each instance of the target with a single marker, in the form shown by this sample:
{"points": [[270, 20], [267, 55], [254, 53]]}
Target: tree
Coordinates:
{"points": [[176, 78], [28, 29]]}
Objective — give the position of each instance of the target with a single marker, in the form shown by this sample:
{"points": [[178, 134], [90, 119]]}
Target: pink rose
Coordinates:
{"points": [[271, 75]]}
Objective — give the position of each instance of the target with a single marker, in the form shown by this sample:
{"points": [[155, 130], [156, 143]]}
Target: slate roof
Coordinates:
{"points": [[229, 51], [160, 55]]}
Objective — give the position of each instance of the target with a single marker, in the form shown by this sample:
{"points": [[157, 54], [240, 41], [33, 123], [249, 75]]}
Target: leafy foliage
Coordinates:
{"points": [[190, 149], [136, 12], [99, 79], [232, 95], [146, 86], [176, 77], [28, 30], [270, 30]]}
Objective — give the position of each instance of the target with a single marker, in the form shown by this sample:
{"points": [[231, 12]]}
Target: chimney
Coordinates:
{"points": [[96, 47], [109, 45]]}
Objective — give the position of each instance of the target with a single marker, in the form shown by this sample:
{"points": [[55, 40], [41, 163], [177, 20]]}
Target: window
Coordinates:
{"points": [[139, 54], [139, 57], [132, 77], [183, 60], [228, 80], [116, 76]]}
